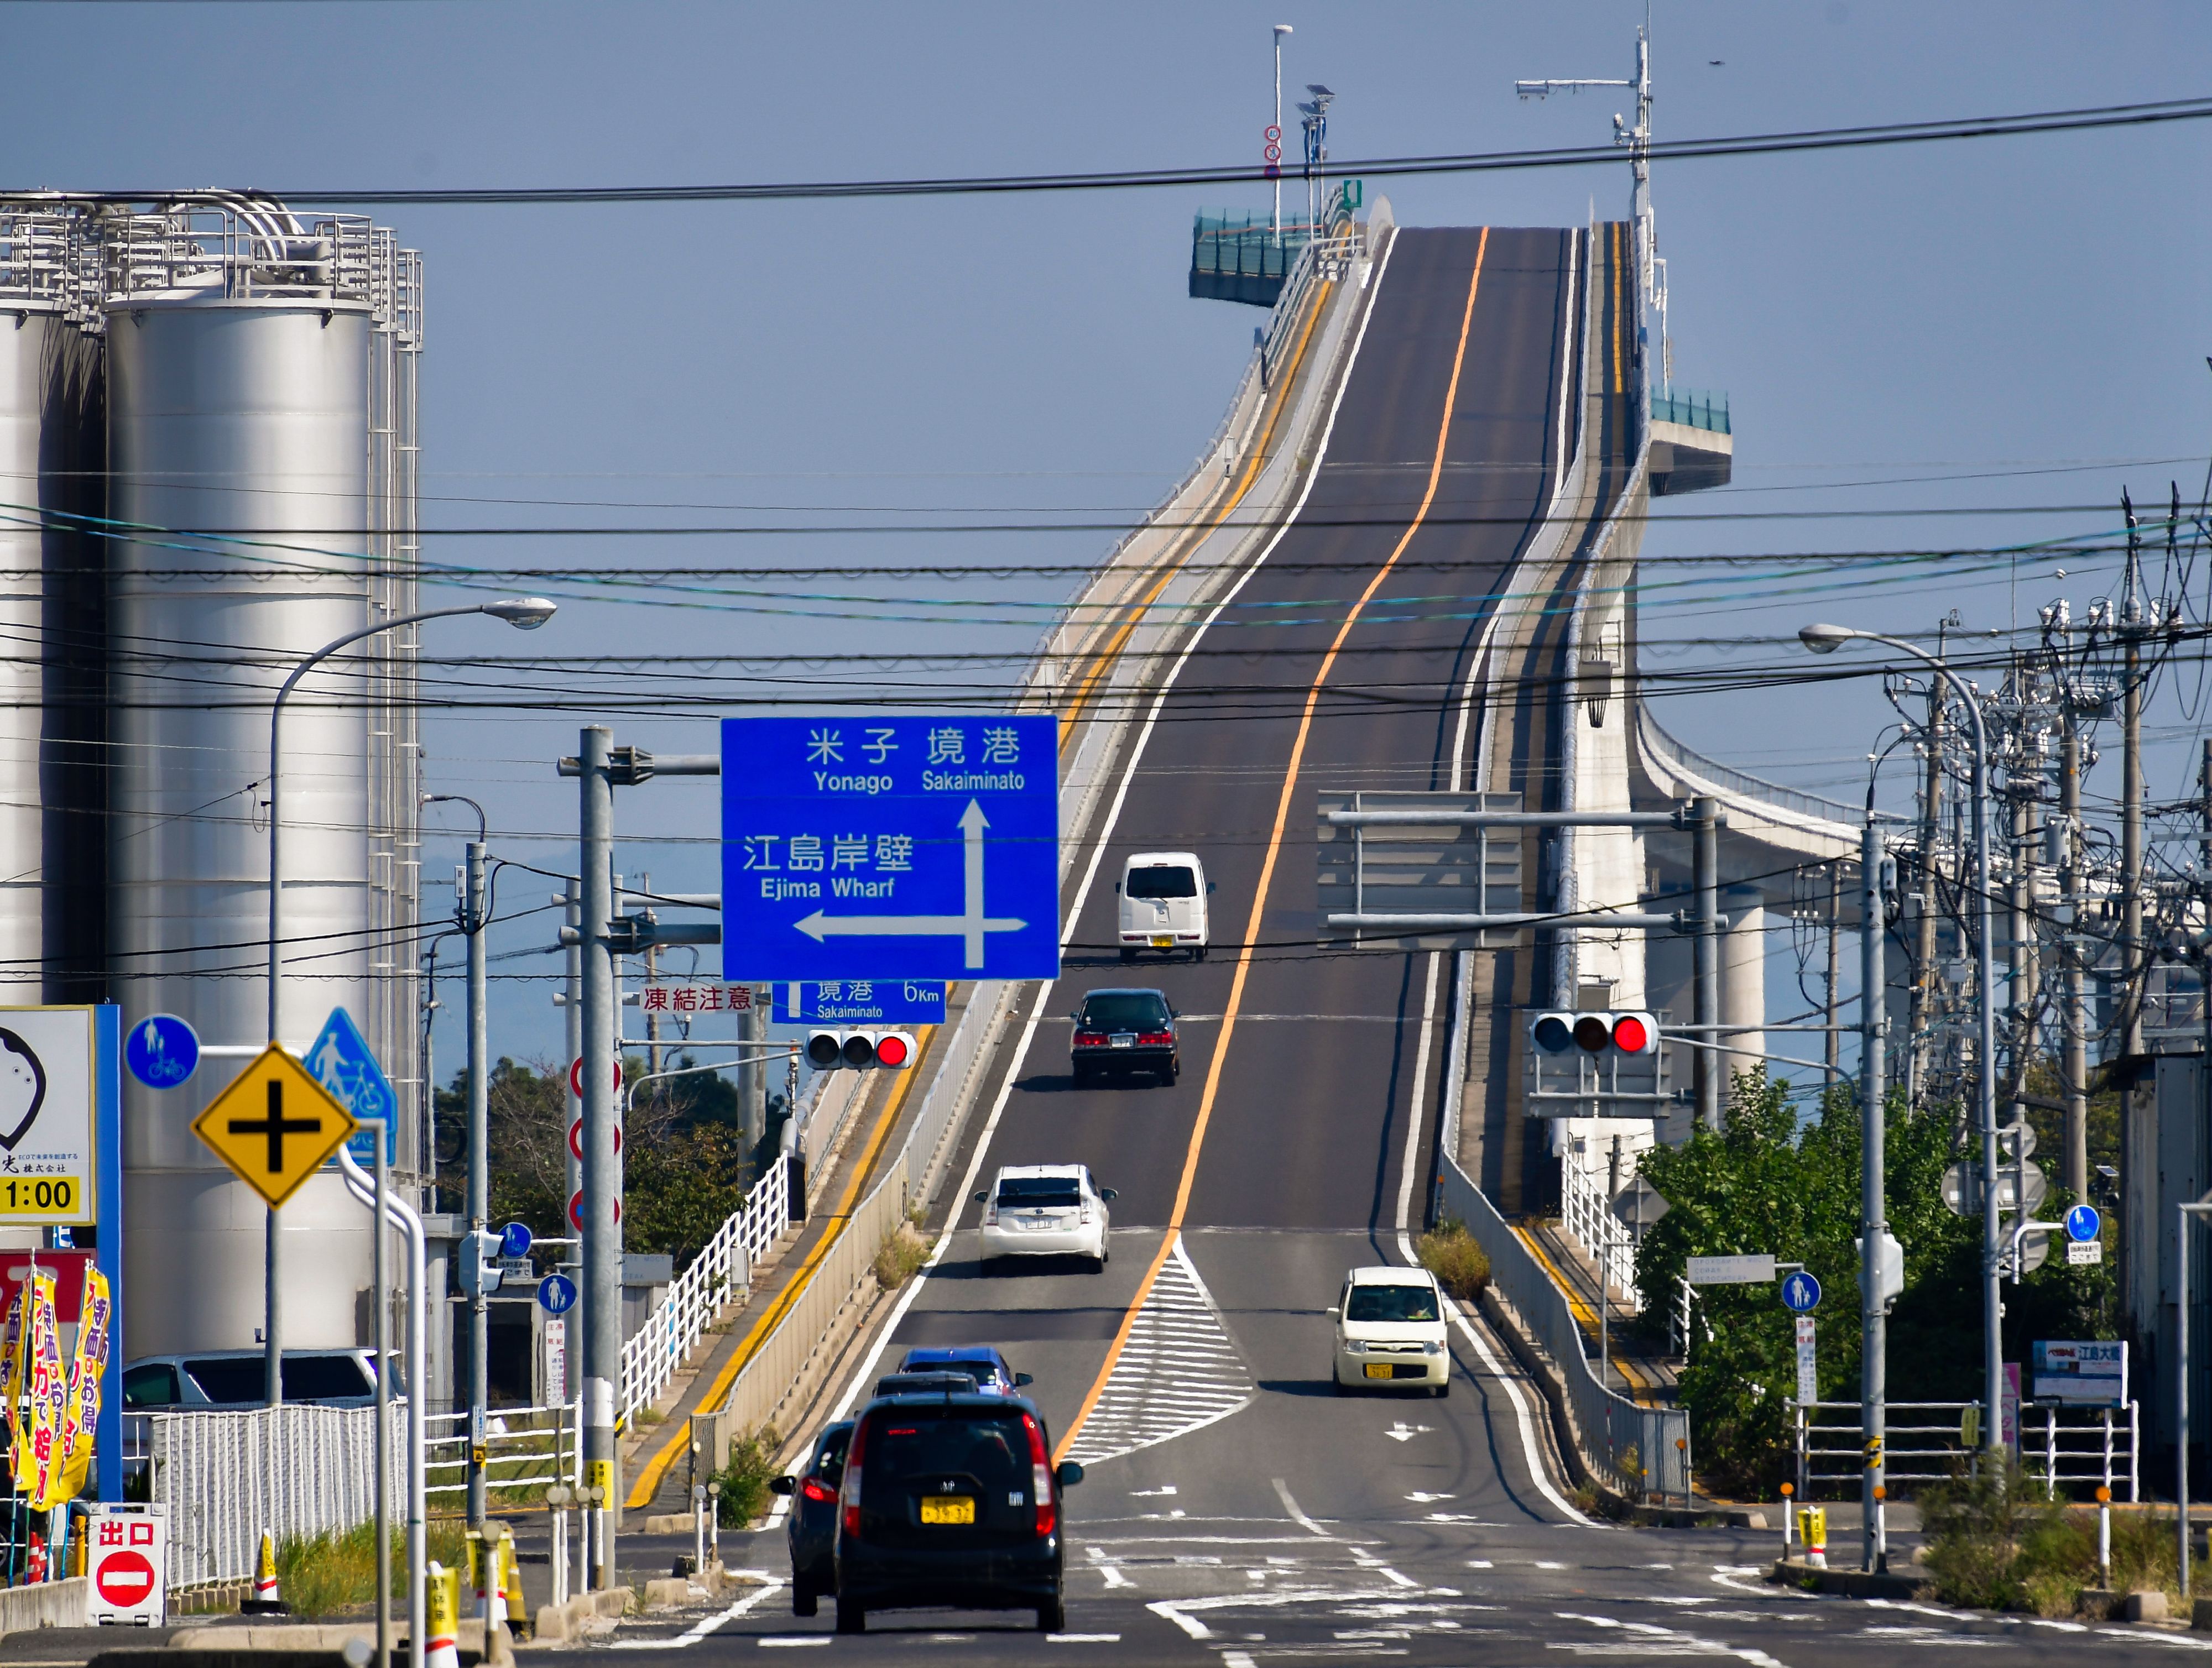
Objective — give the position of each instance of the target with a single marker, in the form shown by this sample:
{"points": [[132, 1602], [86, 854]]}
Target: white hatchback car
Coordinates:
{"points": [[1390, 1329], [1045, 1210], [1163, 904]]}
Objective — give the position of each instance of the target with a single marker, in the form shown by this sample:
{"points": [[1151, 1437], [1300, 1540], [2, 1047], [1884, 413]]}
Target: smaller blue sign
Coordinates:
{"points": [[340, 1061], [861, 1002], [556, 1293], [162, 1051], [1800, 1293], [2083, 1222], [515, 1240]]}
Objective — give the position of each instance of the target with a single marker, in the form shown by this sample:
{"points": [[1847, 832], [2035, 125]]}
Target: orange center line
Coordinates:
{"points": [[1237, 982]]}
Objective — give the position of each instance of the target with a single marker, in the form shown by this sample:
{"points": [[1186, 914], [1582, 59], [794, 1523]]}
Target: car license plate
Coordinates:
{"points": [[1163, 941], [947, 1509], [1378, 1369], [1125, 1040]]}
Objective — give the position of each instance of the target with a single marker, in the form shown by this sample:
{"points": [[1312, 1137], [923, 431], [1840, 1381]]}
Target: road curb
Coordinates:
{"points": [[1851, 1583]]}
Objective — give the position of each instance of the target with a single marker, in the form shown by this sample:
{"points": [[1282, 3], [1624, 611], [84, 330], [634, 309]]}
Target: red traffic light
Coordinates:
{"points": [[895, 1050], [1630, 1034], [1634, 1033]]}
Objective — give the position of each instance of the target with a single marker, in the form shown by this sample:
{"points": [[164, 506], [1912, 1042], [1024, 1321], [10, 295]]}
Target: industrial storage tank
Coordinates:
{"points": [[251, 464]]}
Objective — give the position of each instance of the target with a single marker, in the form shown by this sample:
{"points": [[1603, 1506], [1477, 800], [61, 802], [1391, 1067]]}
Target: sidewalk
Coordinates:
{"points": [[862, 1145], [1634, 1368]]}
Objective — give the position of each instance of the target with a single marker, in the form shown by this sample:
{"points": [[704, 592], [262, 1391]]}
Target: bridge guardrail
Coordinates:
{"points": [[1634, 1446]]}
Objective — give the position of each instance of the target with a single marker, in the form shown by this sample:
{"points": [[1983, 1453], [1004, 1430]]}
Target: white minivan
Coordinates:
{"points": [[1390, 1330], [1163, 904]]}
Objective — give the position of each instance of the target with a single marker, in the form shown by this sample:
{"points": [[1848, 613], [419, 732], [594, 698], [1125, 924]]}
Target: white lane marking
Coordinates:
{"points": [[1236, 1659], [1189, 1624], [1115, 1577], [1927, 1635], [769, 1642], [1297, 1512], [1490, 1363], [1697, 1646], [1184, 1373], [1410, 1164], [1147, 1493], [1419, 1497], [1402, 1580], [1480, 1563], [699, 1630], [1403, 1432], [1083, 1639], [2147, 1637], [1546, 1563]]}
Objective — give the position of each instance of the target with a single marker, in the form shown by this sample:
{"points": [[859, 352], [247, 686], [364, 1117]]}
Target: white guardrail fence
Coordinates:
{"points": [[302, 1471], [720, 1274], [1590, 1218], [1635, 1445]]}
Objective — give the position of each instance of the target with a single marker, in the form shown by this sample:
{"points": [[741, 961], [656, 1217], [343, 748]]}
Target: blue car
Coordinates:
{"points": [[993, 1377]]}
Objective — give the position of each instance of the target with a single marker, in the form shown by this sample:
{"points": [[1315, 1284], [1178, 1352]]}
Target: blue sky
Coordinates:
{"points": [[2029, 313]]}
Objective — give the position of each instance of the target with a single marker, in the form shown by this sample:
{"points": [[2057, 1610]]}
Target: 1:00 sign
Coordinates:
{"points": [[48, 1196]]}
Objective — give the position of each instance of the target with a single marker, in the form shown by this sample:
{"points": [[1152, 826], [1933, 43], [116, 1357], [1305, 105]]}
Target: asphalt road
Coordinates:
{"points": [[1237, 1509]]}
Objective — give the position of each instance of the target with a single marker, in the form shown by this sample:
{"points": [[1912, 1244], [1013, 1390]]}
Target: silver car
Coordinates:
{"points": [[216, 1380]]}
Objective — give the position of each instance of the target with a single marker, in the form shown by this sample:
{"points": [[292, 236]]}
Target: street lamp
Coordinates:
{"points": [[526, 613], [1826, 640], [1275, 168]]}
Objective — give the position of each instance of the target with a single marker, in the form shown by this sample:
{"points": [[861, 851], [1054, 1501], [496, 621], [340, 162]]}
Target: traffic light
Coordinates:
{"points": [[892, 1051], [480, 1272], [1632, 1033]]}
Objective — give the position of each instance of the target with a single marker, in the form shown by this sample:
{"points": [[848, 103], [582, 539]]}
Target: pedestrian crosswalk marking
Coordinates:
{"points": [[1179, 1372]]}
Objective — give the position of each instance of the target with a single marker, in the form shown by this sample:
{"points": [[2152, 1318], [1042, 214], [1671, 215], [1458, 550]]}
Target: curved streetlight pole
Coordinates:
{"points": [[526, 613], [1826, 640]]}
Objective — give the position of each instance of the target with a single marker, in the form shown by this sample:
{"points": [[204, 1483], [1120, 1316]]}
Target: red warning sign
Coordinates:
{"points": [[126, 1548]]}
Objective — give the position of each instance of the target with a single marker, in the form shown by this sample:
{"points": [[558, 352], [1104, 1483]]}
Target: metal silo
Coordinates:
{"points": [[252, 452]]}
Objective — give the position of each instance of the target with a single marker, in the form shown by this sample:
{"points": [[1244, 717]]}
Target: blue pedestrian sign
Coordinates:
{"points": [[340, 1061], [2083, 1222], [1800, 1293], [861, 1002], [893, 846], [162, 1051], [514, 1239], [556, 1293]]}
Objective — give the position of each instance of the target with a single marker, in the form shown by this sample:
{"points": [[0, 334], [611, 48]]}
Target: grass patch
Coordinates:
{"points": [[1461, 1265], [324, 1574], [900, 1257], [1994, 1542], [744, 1480]]}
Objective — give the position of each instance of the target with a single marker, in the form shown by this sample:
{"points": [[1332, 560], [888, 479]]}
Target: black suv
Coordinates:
{"points": [[951, 1500], [810, 1531], [1126, 1031]]}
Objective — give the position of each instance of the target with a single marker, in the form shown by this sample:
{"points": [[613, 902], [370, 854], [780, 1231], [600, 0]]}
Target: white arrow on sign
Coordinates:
{"points": [[971, 924]]}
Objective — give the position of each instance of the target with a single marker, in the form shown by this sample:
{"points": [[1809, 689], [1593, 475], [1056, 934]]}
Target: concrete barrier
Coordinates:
{"points": [[47, 1604]]}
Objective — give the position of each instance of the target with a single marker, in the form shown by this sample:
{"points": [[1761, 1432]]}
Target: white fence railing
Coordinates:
{"points": [[293, 1471], [525, 1447], [720, 1274], [1926, 1442], [1588, 1217]]}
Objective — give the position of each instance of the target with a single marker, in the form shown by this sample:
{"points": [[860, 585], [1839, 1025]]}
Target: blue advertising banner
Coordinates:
{"points": [[861, 1002], [889, 847]]}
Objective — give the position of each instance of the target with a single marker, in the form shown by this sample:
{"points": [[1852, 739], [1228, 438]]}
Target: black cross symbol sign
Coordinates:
{"points": [[277, 1126]]}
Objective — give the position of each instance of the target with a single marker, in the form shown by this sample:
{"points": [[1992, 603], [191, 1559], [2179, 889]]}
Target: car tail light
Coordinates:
{"points": [[1047, 1511], [814, 1489], [991, 1211], [851, 1513], [1091, 1040], [1156, 1039]]}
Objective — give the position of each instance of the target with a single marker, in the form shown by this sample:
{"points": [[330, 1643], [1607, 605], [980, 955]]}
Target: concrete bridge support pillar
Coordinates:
{"points": [[1743, 976]]}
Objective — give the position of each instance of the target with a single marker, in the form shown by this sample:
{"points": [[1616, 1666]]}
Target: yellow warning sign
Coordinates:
{"points": [[274, 1125]]}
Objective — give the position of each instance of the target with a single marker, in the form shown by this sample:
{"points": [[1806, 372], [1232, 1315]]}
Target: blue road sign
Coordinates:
{"points": [[515, 1240], [1800, 1293], [861, 1002], [340, 1061], [891, 848], [2083, 1222], [556, 1293], [162, 1051]]}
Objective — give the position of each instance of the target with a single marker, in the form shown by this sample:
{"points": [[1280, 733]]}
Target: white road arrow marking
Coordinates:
{"points": [[1403, 1432], [971, 924]]}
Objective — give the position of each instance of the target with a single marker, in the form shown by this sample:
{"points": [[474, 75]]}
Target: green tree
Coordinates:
{"points": [[1768, 1182]]}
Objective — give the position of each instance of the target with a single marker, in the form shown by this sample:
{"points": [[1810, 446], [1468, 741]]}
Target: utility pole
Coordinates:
{"points": [[600, 767], [1637, 139], [1873, 1214], [2074, 1021], [473, 912], [1834, 1054], [2132, 796], [571, 1176], [1931, 832]]}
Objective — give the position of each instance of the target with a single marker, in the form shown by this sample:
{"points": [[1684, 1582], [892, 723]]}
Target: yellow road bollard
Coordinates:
{"points": [[443, 1593], [1812, 1529]]}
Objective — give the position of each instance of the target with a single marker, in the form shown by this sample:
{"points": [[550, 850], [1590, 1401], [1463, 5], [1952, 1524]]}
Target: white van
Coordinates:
{"points": [[1163, 904]]}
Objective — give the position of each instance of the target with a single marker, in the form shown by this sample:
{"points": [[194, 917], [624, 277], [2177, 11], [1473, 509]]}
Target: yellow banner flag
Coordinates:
{"points": [[96, 1319], [38, 1460]]}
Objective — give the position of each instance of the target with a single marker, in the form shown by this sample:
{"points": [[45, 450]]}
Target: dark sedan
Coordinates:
{"points": [[1123, 1032], [810, 1531]]}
